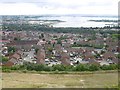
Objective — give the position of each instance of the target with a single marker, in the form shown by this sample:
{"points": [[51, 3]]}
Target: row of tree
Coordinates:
{"points": [[80, 67], [27, 27], [97, 46]]}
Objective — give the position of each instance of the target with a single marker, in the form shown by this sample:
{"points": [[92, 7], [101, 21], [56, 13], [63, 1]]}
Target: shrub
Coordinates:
{"points": [[104, 67], [93, 67], [6, 70], [81, 67], [4, 59], [110, 67], [24, 71], [58, 67], [15, 67]]}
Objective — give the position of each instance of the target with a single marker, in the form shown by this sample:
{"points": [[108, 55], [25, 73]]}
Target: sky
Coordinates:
{"points": [[40, 7]]}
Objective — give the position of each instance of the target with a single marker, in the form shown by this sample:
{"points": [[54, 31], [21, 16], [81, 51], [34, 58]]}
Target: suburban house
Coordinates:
{"points": [[41, 57], [16, 58], [65, 58]]}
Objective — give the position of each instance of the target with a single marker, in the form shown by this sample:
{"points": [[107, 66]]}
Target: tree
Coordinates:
{"points": [[58, 67], [54, 36], [118, 56], [36, 50], [93, 67], [50, 49], [4, 59], [49, 42], [42, 35], [16, 39], [75, 43], [59, 41], [102, 52], [11, 49], [104, 67], [39, 37], [81, 67], [53, 44]]}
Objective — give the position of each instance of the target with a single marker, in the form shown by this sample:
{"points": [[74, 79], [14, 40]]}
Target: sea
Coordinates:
{"points": [[80, 21], [73, 20]]}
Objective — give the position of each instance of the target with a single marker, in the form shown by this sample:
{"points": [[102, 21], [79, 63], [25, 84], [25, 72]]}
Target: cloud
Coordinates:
{"points": [[37, 7]]}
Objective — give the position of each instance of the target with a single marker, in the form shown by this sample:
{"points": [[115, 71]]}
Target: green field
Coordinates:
{"points": [[46, 80]]}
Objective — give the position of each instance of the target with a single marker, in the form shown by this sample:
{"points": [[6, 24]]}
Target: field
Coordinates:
{"points": [[75, 80]]}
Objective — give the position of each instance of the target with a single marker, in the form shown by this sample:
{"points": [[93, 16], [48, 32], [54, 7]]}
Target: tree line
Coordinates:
{"points": [[80, 67], [27, 27]]}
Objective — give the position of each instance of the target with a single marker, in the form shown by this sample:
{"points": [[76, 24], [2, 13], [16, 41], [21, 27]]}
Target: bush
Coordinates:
{"points": [[4, 59], [118, 66], [15, 67], [56, 72], [24, 71], [113, 66], [68, 68], [11, 49], [104, 67], [110, 67], [6, 70], [81, 67], [93, 67], [58, 67], [39, 67]]}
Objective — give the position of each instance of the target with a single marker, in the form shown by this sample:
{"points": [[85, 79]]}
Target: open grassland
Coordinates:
{"points": [[78, 80]]}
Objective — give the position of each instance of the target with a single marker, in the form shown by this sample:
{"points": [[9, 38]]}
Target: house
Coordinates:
{"points": [[108, 55], [92, 61], [4, 51], [9, 64], [88, 55], [58, 47], [20, 53], [66, 45], [41, 42], [25, 45], [15, 59], [41, 56], [22, 43], [65, 58], [4, 41]]}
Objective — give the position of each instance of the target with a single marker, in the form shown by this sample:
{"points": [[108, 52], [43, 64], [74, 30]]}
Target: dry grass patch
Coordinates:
{"points": [[29, 80]]}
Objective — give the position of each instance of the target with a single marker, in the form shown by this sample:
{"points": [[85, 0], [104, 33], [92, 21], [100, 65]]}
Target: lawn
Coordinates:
{"points": [[35, 80]]}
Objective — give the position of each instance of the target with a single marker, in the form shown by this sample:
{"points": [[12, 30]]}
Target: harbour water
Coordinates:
{"points": [[80, 21]]}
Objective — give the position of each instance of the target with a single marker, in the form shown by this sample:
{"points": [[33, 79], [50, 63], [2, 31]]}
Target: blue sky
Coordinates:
{"points": [[38, 7]]}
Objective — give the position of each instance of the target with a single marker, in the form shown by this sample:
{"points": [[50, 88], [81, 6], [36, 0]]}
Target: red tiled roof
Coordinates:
{"points": [[9, 63], [23, 42], [41, 57]]}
